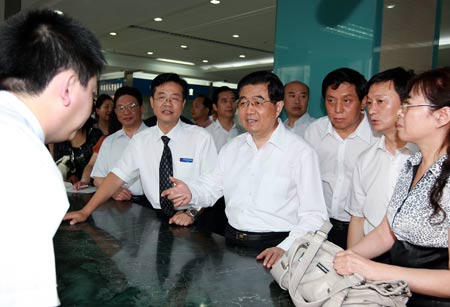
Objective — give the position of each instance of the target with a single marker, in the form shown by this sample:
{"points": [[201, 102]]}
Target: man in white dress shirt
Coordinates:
{"points": [[296, 97], [128, 106], [378, 167], [48, 78], [269, 176], [192, 149], [224, 128], [339, 139]]}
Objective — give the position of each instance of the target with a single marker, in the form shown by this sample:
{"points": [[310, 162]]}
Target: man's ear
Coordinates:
{"points": [[363, 103], [67, 83], [442, 116], [215, 107], [279, 105]]}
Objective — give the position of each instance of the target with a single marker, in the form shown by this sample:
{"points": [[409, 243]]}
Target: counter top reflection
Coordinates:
{"points": [[128, 255]]}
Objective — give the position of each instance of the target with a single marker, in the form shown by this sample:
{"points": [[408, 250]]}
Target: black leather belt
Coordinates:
{"points": [[238, 235], [339, 225]]}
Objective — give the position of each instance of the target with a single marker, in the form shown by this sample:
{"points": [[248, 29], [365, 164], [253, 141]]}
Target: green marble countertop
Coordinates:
{"points": [[128, 255]]}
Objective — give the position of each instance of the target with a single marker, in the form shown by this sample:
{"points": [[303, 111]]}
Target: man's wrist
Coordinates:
{"points": [[192, 212]]}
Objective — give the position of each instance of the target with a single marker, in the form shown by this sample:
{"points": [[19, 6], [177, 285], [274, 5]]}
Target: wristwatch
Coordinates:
{"points": [[192, 212]]}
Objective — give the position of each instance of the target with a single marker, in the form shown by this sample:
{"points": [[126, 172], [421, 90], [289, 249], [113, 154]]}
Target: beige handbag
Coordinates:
{"points": [[306, 270]]}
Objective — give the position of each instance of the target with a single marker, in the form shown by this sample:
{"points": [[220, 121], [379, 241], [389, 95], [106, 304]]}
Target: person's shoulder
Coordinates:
{"points": [[317, 127], [194, 130]]}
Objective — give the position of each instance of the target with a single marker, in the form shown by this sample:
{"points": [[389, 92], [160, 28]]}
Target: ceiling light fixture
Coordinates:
{"points": [[205, 61], [228, 65], [149, 52], [175, 61], [236, 35], [58, 12], [215, 1], [157, 19], [390, 6], [242, 56], [113, 33], [184, 46]]}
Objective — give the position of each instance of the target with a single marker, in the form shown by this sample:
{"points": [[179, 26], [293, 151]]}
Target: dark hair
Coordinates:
{"points": [[128, 90], [217, 91], [341, 75], [101, 99], [113, 123], [168, 77], [274, 85], [37, 45], [207, 103], [398, 75], [435, 86], [299, 82]]}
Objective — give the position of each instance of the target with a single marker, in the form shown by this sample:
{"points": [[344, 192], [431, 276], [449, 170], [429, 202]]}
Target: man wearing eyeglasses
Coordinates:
{"points": [[269, 176], [129, 108], [191, 150]]}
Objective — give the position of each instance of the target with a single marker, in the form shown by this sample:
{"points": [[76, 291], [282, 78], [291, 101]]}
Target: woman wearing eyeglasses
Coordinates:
{"points": [[416, 226]]}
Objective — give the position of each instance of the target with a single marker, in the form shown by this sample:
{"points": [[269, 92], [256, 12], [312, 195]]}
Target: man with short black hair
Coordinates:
{"points": [[201, 109], [339, 139], [224, 128], [129, 108], [269, 176], [171, 148], [48, 79]]}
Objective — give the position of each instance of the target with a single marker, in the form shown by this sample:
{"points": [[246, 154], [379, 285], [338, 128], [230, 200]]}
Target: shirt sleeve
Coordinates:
{"points": [[208, 188], [100, 168], [126, 168], [312, 212], [357, 197]]}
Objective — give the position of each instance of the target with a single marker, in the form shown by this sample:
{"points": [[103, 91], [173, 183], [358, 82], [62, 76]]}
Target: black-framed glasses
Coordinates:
{"points": [[132, 107], [255, 101]]}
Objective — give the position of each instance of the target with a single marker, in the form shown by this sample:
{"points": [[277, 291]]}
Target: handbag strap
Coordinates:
{"points": [[341, 288]]}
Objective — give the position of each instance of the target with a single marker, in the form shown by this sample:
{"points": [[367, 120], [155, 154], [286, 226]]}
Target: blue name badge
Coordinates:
{"points": [[186, 160]]}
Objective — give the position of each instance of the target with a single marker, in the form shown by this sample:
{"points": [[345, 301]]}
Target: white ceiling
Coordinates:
{"points": [[205, 28]]}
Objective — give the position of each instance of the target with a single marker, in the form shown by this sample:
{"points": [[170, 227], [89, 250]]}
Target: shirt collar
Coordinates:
{"points": [[409, 148], [28, 117], [277, 138], [435, 169], [363, 131], [173, 134], [141, 127]]}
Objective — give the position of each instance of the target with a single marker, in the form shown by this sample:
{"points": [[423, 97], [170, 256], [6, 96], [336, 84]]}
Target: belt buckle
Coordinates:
{"points": [[241, 236]]}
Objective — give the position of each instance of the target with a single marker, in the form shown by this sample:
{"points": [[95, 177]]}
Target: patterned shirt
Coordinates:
{"points": [[409, 212]]}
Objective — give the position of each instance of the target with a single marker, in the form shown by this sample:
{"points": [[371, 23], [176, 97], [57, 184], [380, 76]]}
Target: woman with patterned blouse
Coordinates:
{"points": [[416, 226]]}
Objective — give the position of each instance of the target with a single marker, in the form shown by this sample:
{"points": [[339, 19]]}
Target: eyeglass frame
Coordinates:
{"points": [[405, 105], [253, 103], [131, 107], [163, 99]]}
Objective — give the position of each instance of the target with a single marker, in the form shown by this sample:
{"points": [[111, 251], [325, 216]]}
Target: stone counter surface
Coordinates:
{"points": [[128, 255]]}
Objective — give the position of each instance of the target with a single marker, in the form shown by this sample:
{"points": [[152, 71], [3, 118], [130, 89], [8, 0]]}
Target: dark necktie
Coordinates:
{"points": [[165, 171]]}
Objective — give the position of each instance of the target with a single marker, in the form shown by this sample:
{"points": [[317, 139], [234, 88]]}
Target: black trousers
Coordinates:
{"points": [[338, 234]]}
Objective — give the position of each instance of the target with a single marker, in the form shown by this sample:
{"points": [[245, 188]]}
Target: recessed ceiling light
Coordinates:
{"points": [[236, 35], [175, 61], [242, 56], [390, 6], [149, 52], [205, 61], [157, 19], [113, 33], [184, 46], [58, 12], [215, 1]]}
